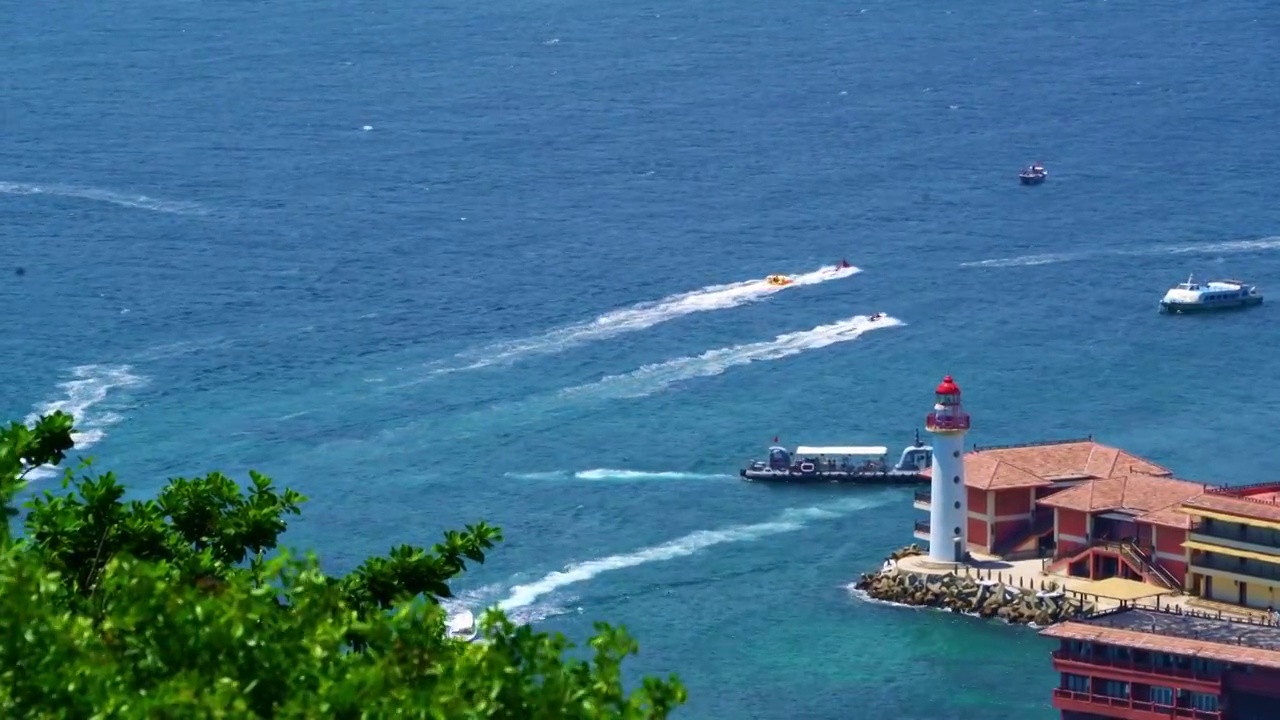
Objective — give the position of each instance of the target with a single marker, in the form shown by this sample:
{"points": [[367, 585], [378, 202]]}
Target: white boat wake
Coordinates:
{"points": [[617, 475], [91, 386], [643, 316], [650, 379], [1214, 248], [141, 202], [790, 520]]}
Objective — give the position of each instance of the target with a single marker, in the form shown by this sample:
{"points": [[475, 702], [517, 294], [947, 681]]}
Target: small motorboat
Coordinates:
{"points": [[462, 626], [1033, 175], [779, 280]]}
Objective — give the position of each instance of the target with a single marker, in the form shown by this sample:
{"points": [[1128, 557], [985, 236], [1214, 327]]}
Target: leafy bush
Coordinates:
{"points": [[182, 607]]}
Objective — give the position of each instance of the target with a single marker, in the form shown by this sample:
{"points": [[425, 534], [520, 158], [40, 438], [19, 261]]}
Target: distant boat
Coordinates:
{"points": [[1191, 296], [1033, 175], [462, 626]]}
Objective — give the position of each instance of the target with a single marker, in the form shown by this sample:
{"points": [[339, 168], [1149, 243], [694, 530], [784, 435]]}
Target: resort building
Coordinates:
{"points": [[1006, 483], [1153, 664], [1234, 548], [1096, 511], [1130, 527]]}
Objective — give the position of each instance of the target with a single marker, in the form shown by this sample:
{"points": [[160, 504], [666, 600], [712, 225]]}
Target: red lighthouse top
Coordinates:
{"points": [[948, 414]]}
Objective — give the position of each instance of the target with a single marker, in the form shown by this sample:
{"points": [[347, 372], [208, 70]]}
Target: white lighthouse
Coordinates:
{"points": [[948, 506]]}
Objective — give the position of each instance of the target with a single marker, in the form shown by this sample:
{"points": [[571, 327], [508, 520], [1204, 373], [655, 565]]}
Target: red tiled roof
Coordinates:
{"points": [[1152, 642], [1242, 507], [1150, 499], [989, 472], [1039, 465], [1171, 516]]}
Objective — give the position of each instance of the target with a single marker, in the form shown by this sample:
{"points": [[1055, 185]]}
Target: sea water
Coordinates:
{"points": [[435, 264]]}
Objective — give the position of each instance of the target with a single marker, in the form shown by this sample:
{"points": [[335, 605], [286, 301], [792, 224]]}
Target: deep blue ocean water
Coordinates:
{"points": [[431, 264]]}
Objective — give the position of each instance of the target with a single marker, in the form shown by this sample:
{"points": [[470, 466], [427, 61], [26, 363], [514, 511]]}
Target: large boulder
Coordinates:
{"points": [[908, 551]]}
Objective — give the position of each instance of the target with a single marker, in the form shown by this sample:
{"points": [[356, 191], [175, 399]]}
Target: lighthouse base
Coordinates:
{"points": [[951, 551], [924, 562]]}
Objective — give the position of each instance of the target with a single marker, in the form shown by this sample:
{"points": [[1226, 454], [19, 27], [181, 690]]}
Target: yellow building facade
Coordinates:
{"points": [[1233, 549]]}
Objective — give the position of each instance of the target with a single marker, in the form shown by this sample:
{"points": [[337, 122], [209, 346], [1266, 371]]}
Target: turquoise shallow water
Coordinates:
{"points": [[275, 236]]}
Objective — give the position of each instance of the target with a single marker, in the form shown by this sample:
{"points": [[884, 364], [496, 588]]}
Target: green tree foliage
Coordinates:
{"points": [[182, 607]]}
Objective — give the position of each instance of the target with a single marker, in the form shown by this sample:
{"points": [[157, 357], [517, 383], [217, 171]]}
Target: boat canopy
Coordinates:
{"points": [[842, 450]]}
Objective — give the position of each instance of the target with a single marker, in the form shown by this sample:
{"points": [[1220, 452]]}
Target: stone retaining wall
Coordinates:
{"points": [[963, 594]]}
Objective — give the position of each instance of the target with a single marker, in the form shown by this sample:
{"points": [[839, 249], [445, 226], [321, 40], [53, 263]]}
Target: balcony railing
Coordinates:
{"points": [[1212, 532], [1238, 566], [1140, 667], [947, 421], [1243, 492], [924, 496], [1107, 701], [922, 526]]}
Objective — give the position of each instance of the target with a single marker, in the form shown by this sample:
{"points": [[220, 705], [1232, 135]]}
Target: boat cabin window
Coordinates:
{"points": [[779, 458]]}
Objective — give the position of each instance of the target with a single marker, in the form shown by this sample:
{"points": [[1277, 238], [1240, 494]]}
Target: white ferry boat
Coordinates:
{"points": [[1192, 296]]}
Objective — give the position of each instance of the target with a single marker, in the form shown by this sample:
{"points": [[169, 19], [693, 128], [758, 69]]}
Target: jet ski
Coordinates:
{"points": [[463, 626], [876, 317]]}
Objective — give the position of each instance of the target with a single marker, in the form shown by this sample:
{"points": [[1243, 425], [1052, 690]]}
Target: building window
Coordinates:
{"points": [[1075, 683], [956, 479], [1083, 649], [957, 504], [1204, 701], [1160, 695], [1115, 689], [1209, 667]]}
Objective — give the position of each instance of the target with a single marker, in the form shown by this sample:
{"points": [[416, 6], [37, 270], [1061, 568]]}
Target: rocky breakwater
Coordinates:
{"points": [[973, 595]]}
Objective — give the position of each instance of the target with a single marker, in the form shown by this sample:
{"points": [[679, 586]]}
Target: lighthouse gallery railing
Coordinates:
{"points": [[948, 421]]}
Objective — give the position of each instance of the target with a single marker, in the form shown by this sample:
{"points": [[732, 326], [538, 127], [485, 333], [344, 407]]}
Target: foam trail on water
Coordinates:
{"points": [[611, 474], [654, 378], [141, 202], [1027, 260], [90, 387], [1218, 248], [789, 520], [643, 316], [475, 600]]}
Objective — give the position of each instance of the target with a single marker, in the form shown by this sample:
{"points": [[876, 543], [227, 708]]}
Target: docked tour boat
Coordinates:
{"points": [[851, 465], [1033, 175], [1192, 296]]}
